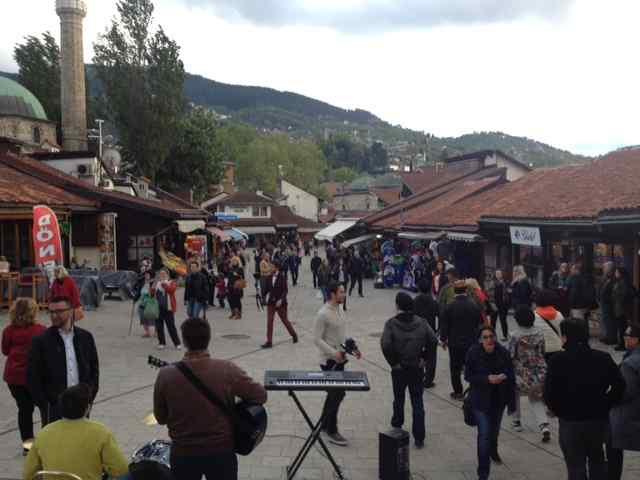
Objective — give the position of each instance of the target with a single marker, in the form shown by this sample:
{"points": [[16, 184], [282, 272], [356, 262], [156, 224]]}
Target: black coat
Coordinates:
{"points": [[478, 366], [521, 293], [196, 288], [426, 307], [406, 339], [460, 321], [582, 384], [315, 263], [47, 370], [278, 291], [356, 267]]}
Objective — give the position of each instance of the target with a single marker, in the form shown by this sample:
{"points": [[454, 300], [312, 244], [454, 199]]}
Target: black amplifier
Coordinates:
{"points": [[394, 455]]}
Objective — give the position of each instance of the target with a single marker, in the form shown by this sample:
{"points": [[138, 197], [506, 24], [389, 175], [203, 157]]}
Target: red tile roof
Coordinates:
{"points": [[166, 205], [439, 185], [416, 181], [387, 195], [245, 198], [435, 213], [18, 188], [607, 186]]}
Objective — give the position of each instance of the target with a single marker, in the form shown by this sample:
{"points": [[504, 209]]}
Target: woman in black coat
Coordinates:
{"points": [[489, 370], [235, 294]]}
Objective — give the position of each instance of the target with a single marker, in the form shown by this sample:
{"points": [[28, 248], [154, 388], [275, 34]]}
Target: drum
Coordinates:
{"points": [[152, 461]]}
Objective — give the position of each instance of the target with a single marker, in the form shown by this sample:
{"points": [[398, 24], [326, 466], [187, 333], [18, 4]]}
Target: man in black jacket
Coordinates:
{"points": [[315, 266], [581, 386], [426, 307], [63, 356], [458, 331], [406, 343], [196, 291], [356, 271]]}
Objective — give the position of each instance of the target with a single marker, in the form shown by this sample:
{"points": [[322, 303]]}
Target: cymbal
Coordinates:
{"points": [[150, 420]]}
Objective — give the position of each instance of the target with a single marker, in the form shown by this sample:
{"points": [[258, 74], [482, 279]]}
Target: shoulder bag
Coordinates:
{"points": [[249, 420]]}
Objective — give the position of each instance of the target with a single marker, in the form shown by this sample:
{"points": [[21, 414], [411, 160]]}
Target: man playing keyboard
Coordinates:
{"points": [[329, 334]]}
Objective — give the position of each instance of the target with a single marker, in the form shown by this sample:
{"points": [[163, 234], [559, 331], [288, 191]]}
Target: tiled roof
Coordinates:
{"points": [[245, 198], [435, 212], [482, 154], [416, 181], [18, 188], [608, 186], [387, 195], [439, 185], [166, 205], [282, 215]]}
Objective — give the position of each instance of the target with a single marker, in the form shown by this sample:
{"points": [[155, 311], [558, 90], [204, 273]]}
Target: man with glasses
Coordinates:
{"points": [[64, 356]]}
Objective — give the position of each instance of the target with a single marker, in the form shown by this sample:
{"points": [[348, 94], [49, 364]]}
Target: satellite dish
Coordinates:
{"points": [[112, 159]]}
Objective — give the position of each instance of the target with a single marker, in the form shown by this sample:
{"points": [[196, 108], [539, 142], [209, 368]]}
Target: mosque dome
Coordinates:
{"points": [[17, 100]]}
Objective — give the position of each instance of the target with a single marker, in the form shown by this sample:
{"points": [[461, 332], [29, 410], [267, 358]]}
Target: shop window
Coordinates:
{"points": [[140, 246]]}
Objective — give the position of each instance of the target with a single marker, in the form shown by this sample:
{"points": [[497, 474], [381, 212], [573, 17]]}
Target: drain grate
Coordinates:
{"points": [[376, 334], [236, 336]]}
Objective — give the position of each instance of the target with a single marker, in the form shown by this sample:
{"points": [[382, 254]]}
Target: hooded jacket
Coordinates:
{"points": [[406, 339]]}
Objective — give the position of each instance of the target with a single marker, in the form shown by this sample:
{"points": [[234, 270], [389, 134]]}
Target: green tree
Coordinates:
{"points": [[143, 78], [196, 158], [39, 71], [344, 175], [379, 157], [267, 158]]}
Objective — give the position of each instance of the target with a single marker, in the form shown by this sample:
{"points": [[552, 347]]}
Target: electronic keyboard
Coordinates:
{"points": [[315, 381]]}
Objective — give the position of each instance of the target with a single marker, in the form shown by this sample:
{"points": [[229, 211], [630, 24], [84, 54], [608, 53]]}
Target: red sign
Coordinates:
{"points": [[47, 242]]}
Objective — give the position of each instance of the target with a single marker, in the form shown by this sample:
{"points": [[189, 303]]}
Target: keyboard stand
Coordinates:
{"points": [[308, 444]]}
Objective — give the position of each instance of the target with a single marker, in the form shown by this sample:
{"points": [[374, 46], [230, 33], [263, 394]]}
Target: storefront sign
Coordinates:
{"points": [[226, 217], [525, 236], [47, 243]]}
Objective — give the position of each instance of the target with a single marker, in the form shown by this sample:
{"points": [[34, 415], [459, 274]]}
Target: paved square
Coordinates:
{"points": [[125, 397]]}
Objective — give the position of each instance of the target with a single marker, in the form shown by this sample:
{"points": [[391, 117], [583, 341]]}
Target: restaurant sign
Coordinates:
{"points": [[46, 238], [529, 236]]}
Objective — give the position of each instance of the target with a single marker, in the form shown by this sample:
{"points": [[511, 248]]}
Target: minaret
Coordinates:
{"points": [[72, 80]]}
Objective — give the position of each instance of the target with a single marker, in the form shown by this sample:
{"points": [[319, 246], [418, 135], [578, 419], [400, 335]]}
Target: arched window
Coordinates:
{"points": [[36, 135]]}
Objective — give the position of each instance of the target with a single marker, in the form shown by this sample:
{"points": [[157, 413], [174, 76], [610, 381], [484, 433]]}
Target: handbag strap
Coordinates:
{"points": [[203, 389]]}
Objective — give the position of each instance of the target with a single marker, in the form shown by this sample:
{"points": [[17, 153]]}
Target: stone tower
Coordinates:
{"points": [[72, 79]]}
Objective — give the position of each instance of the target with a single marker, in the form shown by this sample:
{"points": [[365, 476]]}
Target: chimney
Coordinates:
{"points": [[73, 95]]}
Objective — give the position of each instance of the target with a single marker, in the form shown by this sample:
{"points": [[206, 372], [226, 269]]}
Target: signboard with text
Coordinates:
{"points": [[529, 236], [47, 243]]}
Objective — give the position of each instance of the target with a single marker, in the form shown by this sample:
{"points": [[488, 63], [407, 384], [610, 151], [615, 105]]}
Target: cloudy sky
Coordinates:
{"points": [[565, 72]]}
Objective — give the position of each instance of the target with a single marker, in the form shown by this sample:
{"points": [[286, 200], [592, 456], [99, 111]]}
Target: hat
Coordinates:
{"points": [[633, 331], [404, 302]]}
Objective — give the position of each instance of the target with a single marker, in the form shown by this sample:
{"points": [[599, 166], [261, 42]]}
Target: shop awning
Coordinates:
{"points": [[421, 235], [335, 229], [464, 237], [188, 226], [219, 233], [236, 234], [357, 240], [254, 230]]}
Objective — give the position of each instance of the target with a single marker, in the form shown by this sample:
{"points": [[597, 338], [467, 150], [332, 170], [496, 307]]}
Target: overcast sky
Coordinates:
{"points": [[564, 72]]}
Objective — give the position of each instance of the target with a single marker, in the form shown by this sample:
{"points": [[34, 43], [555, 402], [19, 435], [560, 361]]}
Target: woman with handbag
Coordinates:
{"points": [[527, 349], [236, 284], [489, 370]]}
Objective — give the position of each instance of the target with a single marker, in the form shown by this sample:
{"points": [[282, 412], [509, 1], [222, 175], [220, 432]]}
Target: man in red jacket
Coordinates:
{"points": [[276, 296]]}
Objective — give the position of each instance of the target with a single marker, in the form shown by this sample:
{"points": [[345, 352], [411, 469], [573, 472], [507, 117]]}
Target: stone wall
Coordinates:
{"points": [[24, 130]]}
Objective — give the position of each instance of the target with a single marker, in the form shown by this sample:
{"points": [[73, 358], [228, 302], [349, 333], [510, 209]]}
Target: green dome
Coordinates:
{"points": [[17, 100]]}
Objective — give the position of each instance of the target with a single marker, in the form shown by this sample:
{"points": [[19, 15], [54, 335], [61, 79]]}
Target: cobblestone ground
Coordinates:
{"points": [[450, 453]]}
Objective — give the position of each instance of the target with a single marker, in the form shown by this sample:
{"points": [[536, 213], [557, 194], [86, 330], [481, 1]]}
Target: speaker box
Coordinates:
{"points": [[394, 455]]}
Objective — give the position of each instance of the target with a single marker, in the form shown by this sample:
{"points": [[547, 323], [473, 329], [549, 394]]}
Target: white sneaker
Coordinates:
{"points": [[179, 347], [546, 433], [161, 347], [517, 426]]}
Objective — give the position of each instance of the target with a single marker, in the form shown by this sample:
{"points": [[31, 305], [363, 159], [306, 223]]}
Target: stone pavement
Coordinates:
{"points": [[125, 398]]}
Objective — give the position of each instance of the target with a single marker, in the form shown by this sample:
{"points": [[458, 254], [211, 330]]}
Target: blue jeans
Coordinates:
{"points": [[488, 431], [411, 378], [195, 308]]}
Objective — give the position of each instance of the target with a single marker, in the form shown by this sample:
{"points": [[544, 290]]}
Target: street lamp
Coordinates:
{"points": [[96, 134]]}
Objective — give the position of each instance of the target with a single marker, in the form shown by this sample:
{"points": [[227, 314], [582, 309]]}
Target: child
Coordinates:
{"points": [[221, 289]]}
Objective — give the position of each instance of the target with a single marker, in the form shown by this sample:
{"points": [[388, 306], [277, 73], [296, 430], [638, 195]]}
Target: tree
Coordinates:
{"points": [[344, 175], [39, 71], [379, 157], [196, 158], [143, 78], [266, 159]]}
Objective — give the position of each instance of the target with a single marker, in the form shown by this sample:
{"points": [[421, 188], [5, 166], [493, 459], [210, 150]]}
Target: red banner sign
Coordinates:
{"points": [[47, 242]]}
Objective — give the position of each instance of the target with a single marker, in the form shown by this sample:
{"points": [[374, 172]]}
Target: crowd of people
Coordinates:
{"points": [[546, 358]]}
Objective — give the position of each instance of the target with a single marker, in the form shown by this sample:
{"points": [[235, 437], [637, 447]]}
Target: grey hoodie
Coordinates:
{"points": [[405, 340]]}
